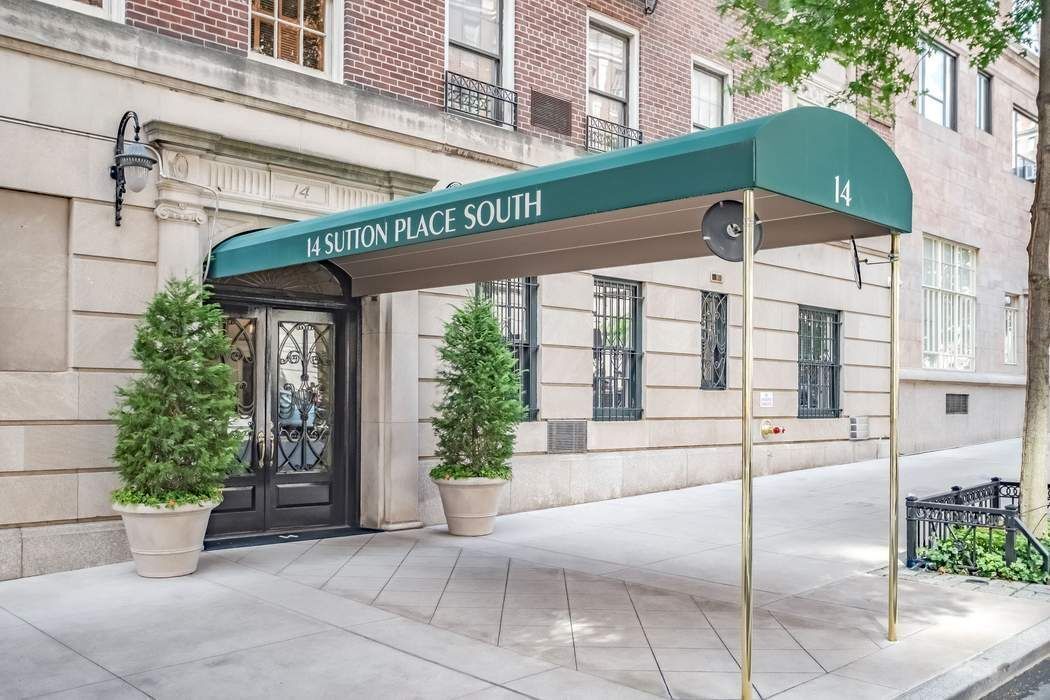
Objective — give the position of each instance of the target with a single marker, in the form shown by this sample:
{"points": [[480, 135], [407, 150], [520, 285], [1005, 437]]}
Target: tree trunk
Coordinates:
{"points": [[1036, 436]]}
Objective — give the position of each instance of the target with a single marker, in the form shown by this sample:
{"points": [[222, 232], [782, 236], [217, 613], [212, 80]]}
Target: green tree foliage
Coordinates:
{"points": [[481, 405], [783, 42], [174, 445]]}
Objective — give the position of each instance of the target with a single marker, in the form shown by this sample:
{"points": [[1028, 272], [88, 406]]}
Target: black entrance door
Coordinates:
{"points": [[287, 366]]}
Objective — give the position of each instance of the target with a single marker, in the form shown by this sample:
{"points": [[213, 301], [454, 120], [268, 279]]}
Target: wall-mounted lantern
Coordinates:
{"points": [[650, 6], [132, 162]]}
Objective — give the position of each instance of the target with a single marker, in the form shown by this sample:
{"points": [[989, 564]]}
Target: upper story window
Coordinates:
{"points": [[617, 381], [1011, 311], [937, 86], [819, 363], [475, 66], [1026, 134], [984, 102], [1032, 36], [475, 39], [514, 303], [949, 302], [611, 83], [714, 322], [708, 98], [296, 33]]}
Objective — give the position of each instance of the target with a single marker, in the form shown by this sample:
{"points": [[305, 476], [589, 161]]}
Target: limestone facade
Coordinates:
{"points": [[260, 145]]}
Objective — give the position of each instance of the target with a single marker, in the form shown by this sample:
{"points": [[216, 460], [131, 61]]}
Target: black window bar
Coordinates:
{"points": [[514, 303], [617, 385], [604, 136], [818, 363], [713, 340], [480, 100]]}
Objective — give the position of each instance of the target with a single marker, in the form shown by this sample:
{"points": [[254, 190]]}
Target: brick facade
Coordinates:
{"points": [[397, 47], [216, 24]]}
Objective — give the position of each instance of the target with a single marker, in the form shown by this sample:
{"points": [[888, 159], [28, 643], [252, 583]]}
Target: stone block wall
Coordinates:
{"points": [[73, 290], [687, 436]]}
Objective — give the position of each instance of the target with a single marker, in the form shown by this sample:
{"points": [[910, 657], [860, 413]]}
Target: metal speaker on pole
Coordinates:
{"points": [[723, 230]]}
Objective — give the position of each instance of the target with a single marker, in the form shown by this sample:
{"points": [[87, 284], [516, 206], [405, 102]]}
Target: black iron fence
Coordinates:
{"points": [[480, 100], [605, 136], [968, 516]]}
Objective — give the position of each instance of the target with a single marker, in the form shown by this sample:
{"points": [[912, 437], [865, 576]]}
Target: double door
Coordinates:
{"points": [[293, 452]]}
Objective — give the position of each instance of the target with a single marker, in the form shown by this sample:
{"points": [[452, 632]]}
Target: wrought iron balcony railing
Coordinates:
{"points": [[480, 100], [605, 136]]}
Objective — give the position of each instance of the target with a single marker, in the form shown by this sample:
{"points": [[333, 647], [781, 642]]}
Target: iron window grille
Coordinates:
{"points": [[713, 339], [617, 386], [515, 305], [480, 100], [818, 363], [956, 404], [604, 136]]}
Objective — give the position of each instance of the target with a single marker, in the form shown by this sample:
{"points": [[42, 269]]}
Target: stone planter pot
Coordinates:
{"points": [[470, 504], [165, 542]]}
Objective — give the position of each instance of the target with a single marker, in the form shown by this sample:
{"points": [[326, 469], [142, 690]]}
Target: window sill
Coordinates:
{"points": [[293, 67]]}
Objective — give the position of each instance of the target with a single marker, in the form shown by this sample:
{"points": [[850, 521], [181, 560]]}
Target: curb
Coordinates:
{"points": [[980, 675]]}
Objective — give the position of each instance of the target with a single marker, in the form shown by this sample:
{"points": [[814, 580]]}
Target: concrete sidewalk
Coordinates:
{"points": [[628, 598]]}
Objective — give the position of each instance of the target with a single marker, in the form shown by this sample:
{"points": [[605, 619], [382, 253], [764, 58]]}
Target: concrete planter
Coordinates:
{"points": [[470, 504], [165, 542]]}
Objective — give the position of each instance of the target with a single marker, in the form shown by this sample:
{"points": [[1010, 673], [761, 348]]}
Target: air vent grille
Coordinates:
{"points": [[551, 113], [566, 436], [957, 404]]}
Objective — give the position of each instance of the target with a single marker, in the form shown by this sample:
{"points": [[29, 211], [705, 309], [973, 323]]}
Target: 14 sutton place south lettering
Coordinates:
{"points": [[473, 216]]}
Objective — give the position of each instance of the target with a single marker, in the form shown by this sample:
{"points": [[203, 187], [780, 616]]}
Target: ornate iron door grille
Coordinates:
{"points": [[617, 387], [604, 136], [713, 340], [304, 401], [514, 303], [480, 100], [818, 363]]}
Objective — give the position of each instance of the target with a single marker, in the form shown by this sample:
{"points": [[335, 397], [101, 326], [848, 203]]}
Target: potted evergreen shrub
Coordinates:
{"points": [[174, 447], [477, 417]]}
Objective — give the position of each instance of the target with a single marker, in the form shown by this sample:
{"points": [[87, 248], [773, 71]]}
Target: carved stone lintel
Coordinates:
{"points": [[177, 211]]}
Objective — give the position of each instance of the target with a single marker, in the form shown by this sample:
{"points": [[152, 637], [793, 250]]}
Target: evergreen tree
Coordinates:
{"points": [[481, 405], [174, 445]]}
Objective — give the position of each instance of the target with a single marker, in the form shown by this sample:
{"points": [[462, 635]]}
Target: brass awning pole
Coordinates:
{"points": [[745, 445], [895, 312]]}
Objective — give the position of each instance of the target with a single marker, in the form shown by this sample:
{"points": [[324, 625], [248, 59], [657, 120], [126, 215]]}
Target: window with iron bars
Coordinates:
{"points": [[713, 332], [818, 363], [514, 303], [617, 349]]}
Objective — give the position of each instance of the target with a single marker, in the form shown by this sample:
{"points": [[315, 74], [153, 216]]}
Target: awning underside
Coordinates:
{"points": [[819, 176]]}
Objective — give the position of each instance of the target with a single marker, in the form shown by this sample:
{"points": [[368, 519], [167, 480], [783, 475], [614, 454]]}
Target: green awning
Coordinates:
{"points": [[819, 176]]}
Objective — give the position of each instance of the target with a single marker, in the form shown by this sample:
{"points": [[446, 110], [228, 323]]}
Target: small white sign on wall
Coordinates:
{"points": [[765, 399]]}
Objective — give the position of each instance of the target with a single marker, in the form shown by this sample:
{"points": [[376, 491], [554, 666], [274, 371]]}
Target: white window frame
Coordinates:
{"points": [[949, 316], [333, 57], [722, 71], [506, 58], [1011, 318], [1015, 113], [112, 10], [951, 101], [631, 34], [985, 105]]}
